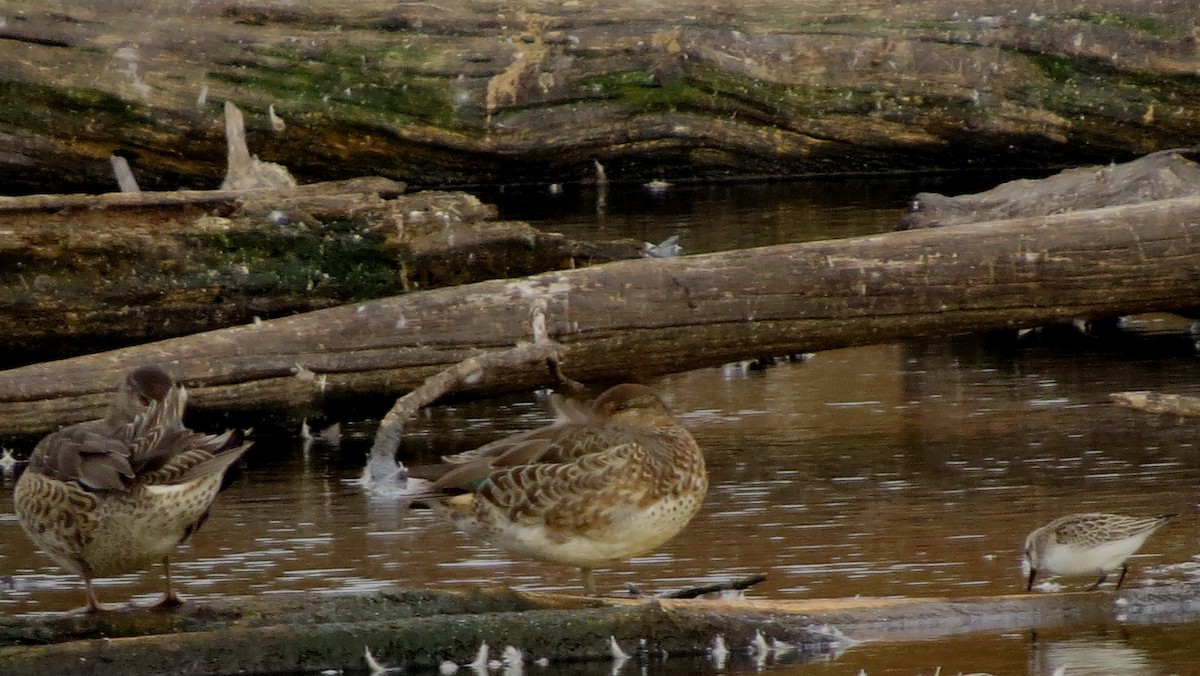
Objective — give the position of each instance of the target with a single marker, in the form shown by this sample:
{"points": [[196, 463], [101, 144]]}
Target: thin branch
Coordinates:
{"points": [[732, 585], [466, 374]]}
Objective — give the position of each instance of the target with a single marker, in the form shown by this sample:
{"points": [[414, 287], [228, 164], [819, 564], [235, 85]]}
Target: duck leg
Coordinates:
{"points": [[589, 581], [93, 604], [170, 599]]}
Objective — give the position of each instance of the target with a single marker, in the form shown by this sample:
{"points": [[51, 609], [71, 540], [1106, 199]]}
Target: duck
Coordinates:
{"points": [[1090, 543], [111, 496], [601, 484]]}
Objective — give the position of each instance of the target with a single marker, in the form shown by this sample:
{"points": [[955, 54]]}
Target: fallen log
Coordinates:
{"points": [[463, 92], [636, 319], [1166, 174], [83, 273], [1158, 402], [418, 629]]}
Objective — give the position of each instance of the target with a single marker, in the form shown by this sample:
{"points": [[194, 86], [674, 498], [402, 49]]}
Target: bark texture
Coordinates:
{"points": [[416, 630], [83, 273], [639, 318], [456, 91]]}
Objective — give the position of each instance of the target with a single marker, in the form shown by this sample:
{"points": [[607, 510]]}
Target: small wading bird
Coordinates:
{"points": [[1092, 543], [110, 496], [599, 485]]}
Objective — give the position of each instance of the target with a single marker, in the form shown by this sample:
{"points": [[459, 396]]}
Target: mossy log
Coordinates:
{"points": [[82, 273], [639, 318], [419, 629], [451, 92]]}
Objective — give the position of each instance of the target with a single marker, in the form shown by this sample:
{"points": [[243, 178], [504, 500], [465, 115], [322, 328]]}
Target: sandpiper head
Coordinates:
{"points": [[1031, 555], [632, 403]]}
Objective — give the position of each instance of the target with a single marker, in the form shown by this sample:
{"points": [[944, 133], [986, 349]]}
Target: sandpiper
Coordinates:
{"points": [[599, 485], [110, 496], [1090, 543]]}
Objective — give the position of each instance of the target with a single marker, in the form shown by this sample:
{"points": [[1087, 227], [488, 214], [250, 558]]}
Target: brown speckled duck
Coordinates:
{"points": [[601, 484], [110, 496]]}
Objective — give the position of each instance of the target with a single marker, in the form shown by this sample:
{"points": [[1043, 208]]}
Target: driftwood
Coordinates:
{"points": [[88, 272], [640, 318], [416, 630], [1158, 402], [1167, 174], [461, 92]]}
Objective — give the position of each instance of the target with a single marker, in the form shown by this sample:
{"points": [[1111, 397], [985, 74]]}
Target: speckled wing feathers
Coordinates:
{"points": [[1090, 530], [570, 497]]}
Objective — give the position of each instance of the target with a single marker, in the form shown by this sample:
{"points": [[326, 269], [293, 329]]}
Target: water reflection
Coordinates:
{"points": [[1087, 656], [889, 470]]}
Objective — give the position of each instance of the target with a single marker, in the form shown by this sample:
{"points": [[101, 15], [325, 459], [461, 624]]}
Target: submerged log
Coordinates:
{"points": [[1167, 174], [1158, 402], [459, 92], [419, 629], [80, 273], [636, 319]]}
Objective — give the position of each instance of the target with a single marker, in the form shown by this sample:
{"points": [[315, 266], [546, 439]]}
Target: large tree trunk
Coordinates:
{"points": [[644, 317], [455, 91]]}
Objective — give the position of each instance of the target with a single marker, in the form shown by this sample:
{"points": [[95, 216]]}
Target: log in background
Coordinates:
{"points": [[640, 318], [454, 92]]}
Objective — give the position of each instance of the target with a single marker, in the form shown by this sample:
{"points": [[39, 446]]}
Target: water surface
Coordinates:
{"points": [[910, 470]]}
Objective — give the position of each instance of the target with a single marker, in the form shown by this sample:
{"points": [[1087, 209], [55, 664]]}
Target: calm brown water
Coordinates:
{"points": [[892, 470]]}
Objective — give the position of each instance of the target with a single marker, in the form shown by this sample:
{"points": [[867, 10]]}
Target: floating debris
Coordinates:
{"points": [[719, 652], [447, 668], [125, 179], [615, 648], [374, 666], [331, 435], [7, 461], [601, 175], [481, 658], [657, 186], [833, 635], [512, 657], [277, 123], [668, 248], [759, 645], [542, 662]]}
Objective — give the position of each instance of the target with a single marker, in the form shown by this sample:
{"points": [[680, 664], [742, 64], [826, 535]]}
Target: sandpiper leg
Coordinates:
{"points": [[1032, 574], [1124, 569], [169, 599], [589, 581], [1096, 585]]}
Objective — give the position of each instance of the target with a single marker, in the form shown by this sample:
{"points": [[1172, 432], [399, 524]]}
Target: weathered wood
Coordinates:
{"points": [[1158, 402], [456, 91], [418, 629], [639, 318], [80, 273], [1166, 174]]}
